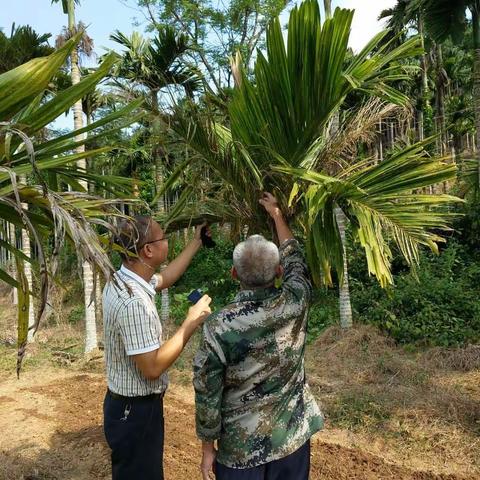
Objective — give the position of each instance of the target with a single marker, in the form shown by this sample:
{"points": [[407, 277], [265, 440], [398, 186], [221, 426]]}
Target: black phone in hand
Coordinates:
{"points": [[195, 296], [207, 241]]}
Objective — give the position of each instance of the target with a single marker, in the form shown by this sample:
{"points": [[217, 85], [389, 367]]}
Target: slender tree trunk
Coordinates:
{"points": [[424, 103], [13, 238], [158, 155], [90, 325], [440, 98], [343, 288], [476, 82], [26, 249]]}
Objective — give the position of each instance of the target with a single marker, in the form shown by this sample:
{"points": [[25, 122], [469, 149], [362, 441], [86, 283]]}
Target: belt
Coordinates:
{"points": [[152, 396]]}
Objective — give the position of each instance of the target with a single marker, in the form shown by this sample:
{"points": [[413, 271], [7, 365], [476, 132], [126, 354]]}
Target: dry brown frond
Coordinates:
{"points": [[86, 44], [359, 127]]}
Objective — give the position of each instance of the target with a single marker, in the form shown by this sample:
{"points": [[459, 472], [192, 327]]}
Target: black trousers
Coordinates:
{"points": [[134, 430], [295, 466]]}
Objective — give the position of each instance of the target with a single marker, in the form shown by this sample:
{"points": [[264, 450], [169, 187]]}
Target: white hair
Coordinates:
{"points": [[256, 261]]}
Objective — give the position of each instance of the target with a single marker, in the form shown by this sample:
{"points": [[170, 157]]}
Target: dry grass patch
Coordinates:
{"points": [[420, 407]]}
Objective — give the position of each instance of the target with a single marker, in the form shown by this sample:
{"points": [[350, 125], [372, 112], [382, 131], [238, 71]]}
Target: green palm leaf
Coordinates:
{"points": [[279, 137]]}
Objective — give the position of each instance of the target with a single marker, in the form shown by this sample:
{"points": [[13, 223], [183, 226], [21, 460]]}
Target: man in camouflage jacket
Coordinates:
{"points": [[249, 375]]}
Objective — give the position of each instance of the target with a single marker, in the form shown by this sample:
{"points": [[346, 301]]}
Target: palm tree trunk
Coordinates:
{"points": [[13, 240], [344, 289], [159, 156], [26, 249], [327, 4], [90, 325], [440, 98], [476, 82], [424, 103]]}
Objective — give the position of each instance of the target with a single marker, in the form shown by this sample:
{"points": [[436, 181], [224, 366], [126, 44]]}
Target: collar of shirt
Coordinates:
{"points": [[255, 295], [148, 287]]}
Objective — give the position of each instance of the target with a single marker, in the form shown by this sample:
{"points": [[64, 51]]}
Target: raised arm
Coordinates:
{"points": [[176, 268], [295, 273], [269, 202]]}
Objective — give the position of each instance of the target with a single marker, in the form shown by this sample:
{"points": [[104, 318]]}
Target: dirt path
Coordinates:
{"points": [[50, 428]]}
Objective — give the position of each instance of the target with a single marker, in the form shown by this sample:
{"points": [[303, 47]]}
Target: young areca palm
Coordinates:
{"points": [[278, 139], [24, 112]]}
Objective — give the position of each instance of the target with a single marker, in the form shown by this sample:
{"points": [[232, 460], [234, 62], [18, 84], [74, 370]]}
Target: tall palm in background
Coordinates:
{"points": [[22, 45], [88, 276], [404, 15], [156, 65], [443, 19]]}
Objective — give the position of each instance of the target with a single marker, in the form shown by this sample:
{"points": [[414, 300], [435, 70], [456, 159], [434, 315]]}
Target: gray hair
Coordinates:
{"points": [[132, 234], [256, 261]]}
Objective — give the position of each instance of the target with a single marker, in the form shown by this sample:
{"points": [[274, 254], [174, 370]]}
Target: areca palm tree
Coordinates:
{"points": [[407, 14], [22, 45], [157, 65], [24, 111], [444, 19], [88, 278], [277, 137]]}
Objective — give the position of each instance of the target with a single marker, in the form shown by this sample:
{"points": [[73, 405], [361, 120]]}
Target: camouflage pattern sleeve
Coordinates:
{"points": [[209, 373], [295, 277]]}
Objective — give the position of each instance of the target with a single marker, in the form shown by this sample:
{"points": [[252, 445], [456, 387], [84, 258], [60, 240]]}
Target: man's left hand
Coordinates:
{"points": [[208, 462]]}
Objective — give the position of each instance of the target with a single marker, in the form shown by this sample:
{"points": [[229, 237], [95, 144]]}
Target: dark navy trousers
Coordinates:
{"points": [[134, 430], [295, 466]]}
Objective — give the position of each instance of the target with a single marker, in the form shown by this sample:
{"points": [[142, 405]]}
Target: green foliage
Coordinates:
{"points": [[210, 272], [324, 312], [23, 45], [77, 314], [468, 227], [441, 307]]}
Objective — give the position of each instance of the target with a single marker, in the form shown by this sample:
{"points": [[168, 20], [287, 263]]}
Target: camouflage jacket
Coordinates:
{"points": [[249, 374]]}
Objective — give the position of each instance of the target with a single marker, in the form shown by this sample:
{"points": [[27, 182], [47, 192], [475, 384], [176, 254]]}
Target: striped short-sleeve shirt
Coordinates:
{"points": [[131, 327]]}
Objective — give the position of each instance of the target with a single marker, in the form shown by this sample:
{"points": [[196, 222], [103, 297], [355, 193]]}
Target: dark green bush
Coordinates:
{"points": [[441, 307]]}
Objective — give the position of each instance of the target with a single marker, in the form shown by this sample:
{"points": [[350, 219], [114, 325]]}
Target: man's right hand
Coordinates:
{"points": [[269, 202], [209, 454], [199, 312]]}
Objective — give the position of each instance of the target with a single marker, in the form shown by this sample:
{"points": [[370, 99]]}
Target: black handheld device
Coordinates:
{"points": [[195, 296], [207, 241]]}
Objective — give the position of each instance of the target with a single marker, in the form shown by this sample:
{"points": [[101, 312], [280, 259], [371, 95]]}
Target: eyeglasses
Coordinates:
{"points": [[165, 237]]}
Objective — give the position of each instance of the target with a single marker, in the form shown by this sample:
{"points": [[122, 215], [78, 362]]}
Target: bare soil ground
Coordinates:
{"points": [[390, 414], [52, 429]]}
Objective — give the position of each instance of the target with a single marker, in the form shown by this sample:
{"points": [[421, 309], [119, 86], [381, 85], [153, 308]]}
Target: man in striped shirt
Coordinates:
{"points": [[136, 357]]}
